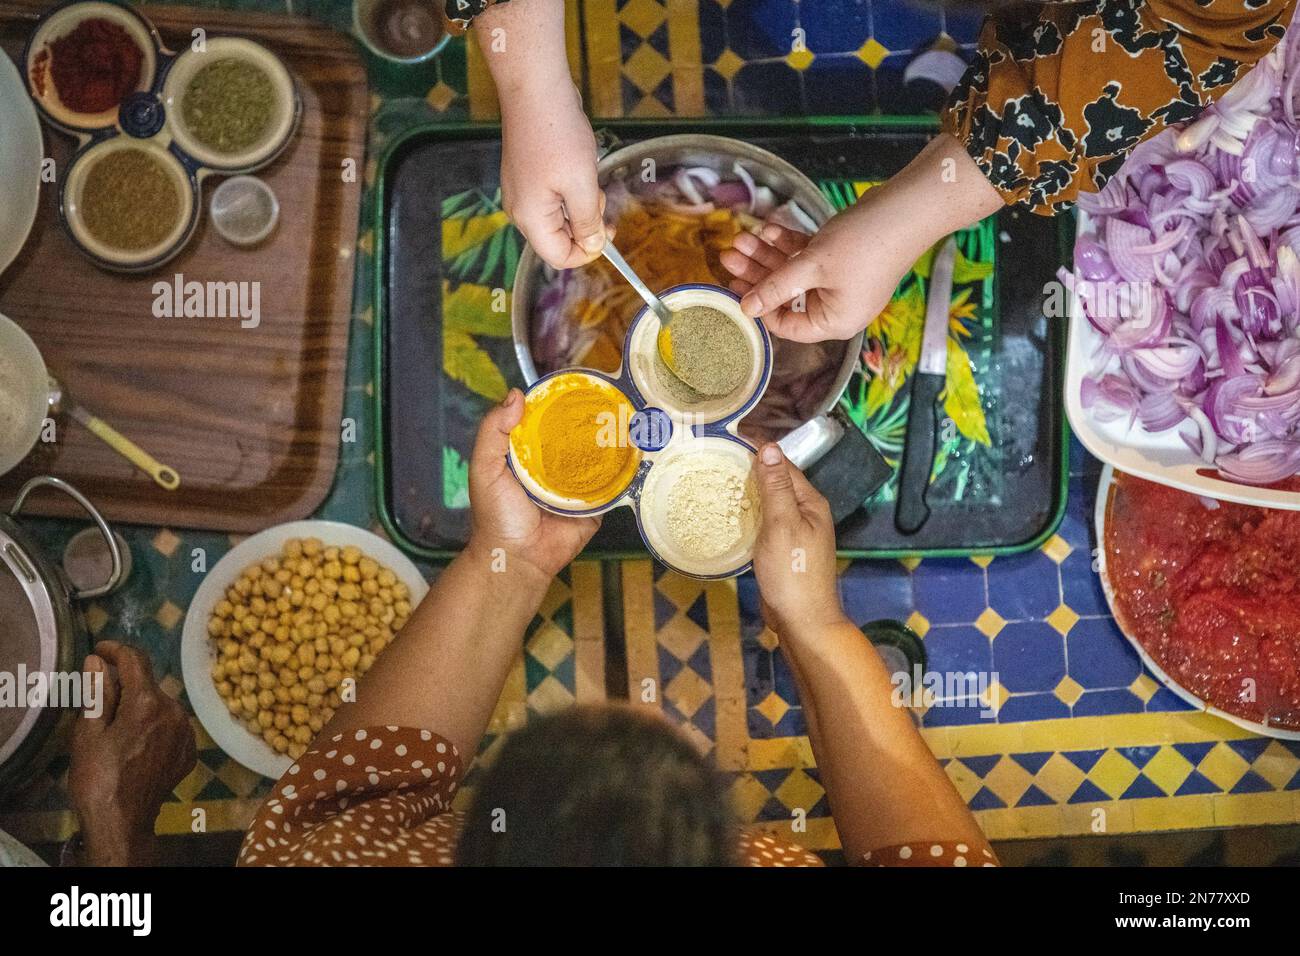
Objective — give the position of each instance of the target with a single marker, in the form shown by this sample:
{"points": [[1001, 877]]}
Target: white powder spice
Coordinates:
{"points": [[14, 390], [712, 507]]}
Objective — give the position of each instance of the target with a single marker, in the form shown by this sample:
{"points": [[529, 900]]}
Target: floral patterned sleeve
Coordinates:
{"points": [[1060, 93], [460, 12]]}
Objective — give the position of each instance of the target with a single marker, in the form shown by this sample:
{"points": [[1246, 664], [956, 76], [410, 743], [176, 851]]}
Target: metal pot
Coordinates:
{"points": [[40, 629], [855, 470]]}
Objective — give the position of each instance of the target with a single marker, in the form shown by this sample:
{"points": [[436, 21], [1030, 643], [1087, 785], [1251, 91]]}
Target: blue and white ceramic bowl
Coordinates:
{"points": [[110, 257], [150, 118], [668, 432]]}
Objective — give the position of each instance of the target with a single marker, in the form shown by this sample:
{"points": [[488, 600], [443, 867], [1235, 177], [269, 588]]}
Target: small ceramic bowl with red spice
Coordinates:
{"points": [[85, 58]]}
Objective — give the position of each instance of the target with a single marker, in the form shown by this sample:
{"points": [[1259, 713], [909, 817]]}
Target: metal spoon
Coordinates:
{"points": [[618, 262], [664, 341], [163, 475]]}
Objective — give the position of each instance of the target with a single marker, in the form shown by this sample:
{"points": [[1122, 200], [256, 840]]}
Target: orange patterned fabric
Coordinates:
{"points": [[1060, 93], [382, 797]]}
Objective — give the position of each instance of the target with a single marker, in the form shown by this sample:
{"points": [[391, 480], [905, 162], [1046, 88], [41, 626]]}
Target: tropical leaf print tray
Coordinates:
{"points": [[445, 263]]}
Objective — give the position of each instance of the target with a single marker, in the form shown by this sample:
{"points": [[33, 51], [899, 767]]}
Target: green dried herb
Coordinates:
{"points": [[129, 201], [709, 351], [228, 105]]}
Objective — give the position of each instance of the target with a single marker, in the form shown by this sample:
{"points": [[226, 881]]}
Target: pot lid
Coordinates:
{"points": [[28, 640]]}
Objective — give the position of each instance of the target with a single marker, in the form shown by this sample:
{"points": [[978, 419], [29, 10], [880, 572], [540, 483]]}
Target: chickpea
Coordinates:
{"points": [[294, 631]]}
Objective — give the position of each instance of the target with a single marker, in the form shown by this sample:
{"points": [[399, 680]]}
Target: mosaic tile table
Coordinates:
{"points": [[1081, 740]]}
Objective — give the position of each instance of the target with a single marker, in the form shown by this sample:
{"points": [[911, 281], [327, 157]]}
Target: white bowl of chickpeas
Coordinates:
{"points": [[281, 629]]}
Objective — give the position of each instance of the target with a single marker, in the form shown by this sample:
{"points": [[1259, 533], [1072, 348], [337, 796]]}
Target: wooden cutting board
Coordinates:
{"points": [[249, 417]]}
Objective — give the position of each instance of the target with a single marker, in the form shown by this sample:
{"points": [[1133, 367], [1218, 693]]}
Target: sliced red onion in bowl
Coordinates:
{"points": [[1191, 279]]}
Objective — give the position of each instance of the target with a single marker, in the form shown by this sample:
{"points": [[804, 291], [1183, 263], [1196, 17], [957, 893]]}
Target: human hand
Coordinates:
{"points": [[127, 759], [813, 288], [548, 173], [504, 516], [794, 557], [832, 285]]}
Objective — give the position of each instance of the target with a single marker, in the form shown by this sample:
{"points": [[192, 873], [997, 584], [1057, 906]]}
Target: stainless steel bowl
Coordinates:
{"points": [[805, 445]]}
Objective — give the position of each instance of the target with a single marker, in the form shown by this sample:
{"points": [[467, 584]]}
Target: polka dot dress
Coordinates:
{"points": [[381, 796], [930, 854]]}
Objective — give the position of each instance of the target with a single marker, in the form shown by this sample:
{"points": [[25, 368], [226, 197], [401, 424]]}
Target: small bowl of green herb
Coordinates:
{"points": [[129, 203], [231, 105]]}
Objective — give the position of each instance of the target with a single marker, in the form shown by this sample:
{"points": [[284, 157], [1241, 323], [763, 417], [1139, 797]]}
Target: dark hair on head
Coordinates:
{"points": [[598, 786]]}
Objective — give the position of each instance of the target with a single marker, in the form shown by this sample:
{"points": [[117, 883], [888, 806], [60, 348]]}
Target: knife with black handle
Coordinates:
{"points": [[911, 510]]}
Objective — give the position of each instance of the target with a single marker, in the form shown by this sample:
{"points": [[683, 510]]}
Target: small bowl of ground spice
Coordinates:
{"points": [[699, 507], [85, 59], [719, 344], [571, 450], [232, 105], [129, 204]]}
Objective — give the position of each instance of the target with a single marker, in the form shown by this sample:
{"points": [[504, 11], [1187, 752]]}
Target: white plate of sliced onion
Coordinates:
{"points": [[1184, 345]]}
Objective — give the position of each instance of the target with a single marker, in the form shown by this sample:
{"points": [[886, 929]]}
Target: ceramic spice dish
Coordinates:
{"points": [[667, 439], [130, 196]]}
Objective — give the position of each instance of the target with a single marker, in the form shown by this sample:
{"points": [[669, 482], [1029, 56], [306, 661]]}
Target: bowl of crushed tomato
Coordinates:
{"points": [[1208, 593]]}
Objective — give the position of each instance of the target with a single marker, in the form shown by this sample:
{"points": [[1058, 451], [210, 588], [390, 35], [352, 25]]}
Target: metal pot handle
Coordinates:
{"points": [[58, 483], [848, 472]]}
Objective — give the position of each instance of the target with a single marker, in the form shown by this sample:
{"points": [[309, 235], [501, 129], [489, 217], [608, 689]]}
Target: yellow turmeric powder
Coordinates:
{"points": [[573, 439]]}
